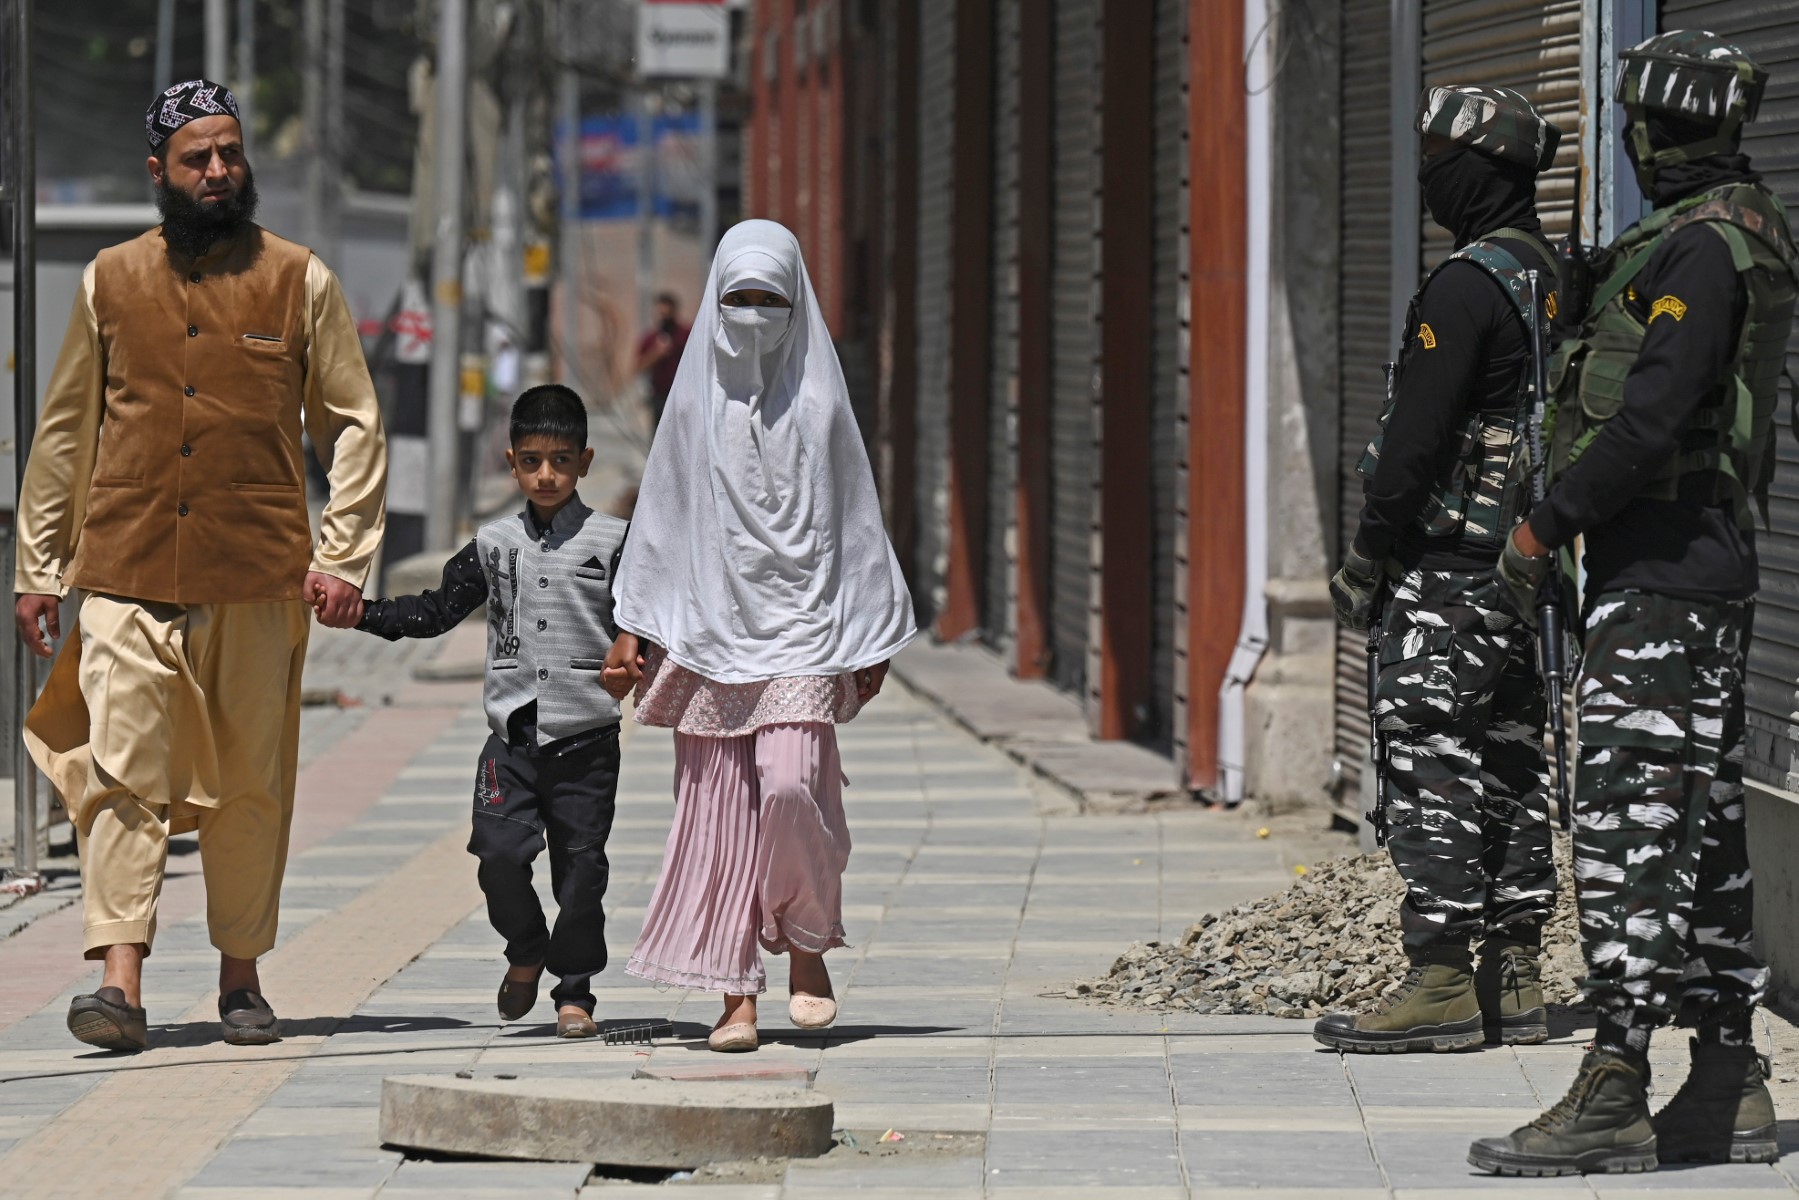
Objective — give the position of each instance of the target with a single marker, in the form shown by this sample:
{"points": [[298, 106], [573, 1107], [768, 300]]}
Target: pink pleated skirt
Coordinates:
{"points": [[754, 861]]}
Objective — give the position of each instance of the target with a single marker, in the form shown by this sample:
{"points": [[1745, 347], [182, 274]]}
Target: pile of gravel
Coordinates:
{"points": [[1330, 942]]}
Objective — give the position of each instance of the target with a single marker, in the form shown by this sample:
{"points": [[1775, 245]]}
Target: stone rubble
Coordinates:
{"points": [[1330, 942]]}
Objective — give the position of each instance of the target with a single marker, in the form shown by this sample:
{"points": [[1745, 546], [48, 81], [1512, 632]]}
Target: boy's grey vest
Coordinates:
{"points": [[549, 619]]}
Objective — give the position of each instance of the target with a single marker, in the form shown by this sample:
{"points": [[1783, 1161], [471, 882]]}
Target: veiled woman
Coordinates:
{"points": [[759, 602]]}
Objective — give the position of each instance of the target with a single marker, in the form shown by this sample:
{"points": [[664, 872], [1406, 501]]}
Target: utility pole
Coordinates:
{"points": [[322, 114], [245, 83], [646, 204], [218, 39], [332, 141], [446, 270], [312, 118], [708, 96], [568, 155], [25, 779], [165, 44]]}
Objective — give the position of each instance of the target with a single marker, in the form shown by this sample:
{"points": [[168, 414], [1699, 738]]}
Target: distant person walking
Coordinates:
{"points": [[166, 485], [768, 601], [659, 353]]}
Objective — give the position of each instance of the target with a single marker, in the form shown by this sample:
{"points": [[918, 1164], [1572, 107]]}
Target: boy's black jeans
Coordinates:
{"points": [[525, 797]]}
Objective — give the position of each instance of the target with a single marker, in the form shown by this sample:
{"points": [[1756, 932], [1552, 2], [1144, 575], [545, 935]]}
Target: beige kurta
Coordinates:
{"points": [[159, 716]]}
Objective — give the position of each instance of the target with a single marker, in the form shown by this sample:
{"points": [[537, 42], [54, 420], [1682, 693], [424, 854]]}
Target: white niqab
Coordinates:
{"points": [[757, 550]]}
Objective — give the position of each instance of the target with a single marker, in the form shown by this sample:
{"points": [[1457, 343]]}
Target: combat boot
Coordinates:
{"points": [[1600, 1127], [1434, 1009], [1723, 1112], [1509, 983]]}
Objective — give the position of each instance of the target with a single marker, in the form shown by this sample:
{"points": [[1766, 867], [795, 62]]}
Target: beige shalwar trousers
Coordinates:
{"points": [[163, 718]]}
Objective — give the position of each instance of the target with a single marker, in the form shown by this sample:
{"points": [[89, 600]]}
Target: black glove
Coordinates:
{"points": [[1353, 589], [1523, 578]]}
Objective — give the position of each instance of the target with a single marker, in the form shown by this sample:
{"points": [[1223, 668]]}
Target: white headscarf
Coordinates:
{"points": [[757, 549]]}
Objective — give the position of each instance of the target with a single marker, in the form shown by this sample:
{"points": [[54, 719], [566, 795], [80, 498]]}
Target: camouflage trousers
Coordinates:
{"points": [[1460, 709], [1661, 858]]}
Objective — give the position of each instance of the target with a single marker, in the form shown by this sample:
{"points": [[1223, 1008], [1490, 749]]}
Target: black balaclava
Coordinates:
{"points": [[192, 228], [1676, 181], [1472, 194]]}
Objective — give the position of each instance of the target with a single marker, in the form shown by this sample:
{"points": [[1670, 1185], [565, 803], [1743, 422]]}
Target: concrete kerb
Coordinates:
{"points": [[1036, 727], [628, 1123]]}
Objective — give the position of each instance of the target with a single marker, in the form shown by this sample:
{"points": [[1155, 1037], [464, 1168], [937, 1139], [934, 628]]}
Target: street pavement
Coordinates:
{"points": [[976, 895]]}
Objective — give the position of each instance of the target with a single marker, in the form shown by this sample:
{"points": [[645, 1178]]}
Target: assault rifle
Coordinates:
{"points": [[1552, 650], [1377, 816]]}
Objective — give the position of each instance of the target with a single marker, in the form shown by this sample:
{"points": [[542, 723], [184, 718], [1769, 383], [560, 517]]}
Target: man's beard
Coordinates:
{"points": [[192, 228]]}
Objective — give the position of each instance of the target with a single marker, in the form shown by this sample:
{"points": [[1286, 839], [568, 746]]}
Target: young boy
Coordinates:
{"points": [[549, 771]]}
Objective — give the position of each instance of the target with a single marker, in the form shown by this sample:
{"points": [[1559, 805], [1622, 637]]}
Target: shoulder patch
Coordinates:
{"points": [[1552, 305], [1672, 305], [1427, 336]]}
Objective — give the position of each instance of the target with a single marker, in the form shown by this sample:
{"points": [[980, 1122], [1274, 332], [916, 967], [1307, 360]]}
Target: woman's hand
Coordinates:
{"points": [[869, 681], [624, 667]]}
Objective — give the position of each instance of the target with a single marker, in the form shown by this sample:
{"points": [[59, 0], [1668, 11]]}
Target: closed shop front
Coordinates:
{"points": [[1073, 266], [1364, 302], [936, 198], [1528, 45], [1168, 335], [999, 570], [1769, 31]]}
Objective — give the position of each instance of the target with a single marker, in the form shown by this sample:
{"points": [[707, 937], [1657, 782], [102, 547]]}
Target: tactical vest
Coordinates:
{"points": [[1481, 493], [1731, 436]]}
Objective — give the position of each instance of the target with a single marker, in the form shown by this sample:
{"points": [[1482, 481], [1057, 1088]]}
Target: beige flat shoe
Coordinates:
{"points": [[811, 1012], [734, 1039]]}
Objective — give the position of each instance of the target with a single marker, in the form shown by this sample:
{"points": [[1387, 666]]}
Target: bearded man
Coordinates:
{"points": [[166, 487]]}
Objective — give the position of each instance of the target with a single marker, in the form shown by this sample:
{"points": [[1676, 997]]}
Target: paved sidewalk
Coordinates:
{"points": [[973, 901]]}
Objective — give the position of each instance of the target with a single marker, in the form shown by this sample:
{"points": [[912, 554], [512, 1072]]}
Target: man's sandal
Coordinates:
{"points": [[105, 1020], [246, 1019]]}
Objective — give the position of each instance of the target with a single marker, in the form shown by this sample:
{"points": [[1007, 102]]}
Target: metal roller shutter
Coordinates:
{"points": [[1073, 270], [1524, 44], [1000, 572], [936, 200], [1528, 45], [1363, 286], [1168, 342], [1769, 31]]}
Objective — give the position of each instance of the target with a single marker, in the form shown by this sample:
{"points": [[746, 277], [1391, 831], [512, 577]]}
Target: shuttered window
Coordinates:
{"points": [[1528, 45], [999, 573], [1168, 348], [936, 186], [1073, 269], [1364, 302]]}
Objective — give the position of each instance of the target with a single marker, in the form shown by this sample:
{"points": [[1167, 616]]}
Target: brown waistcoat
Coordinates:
{"points": [[198, 494]]}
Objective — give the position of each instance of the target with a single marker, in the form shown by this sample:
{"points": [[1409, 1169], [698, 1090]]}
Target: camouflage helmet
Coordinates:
{"points": [[1692, 74], [1496, 121], [1695, 76]]}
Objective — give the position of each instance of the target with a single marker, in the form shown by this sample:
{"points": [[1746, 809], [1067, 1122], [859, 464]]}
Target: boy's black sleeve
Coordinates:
{"points": [[433, 612], [1695, 303]]}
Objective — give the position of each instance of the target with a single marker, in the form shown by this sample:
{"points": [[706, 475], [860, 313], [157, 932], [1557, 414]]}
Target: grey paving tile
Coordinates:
{"points": [[302, 1161], [1278, 1160], [523, 1178]]}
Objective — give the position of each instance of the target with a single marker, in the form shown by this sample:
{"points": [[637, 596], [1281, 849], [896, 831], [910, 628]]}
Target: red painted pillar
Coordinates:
{"points": [[1219, 224]]}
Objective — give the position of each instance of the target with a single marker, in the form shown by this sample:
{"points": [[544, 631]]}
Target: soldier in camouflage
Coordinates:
{"points": [[1662, 443], [1456, 700]]}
